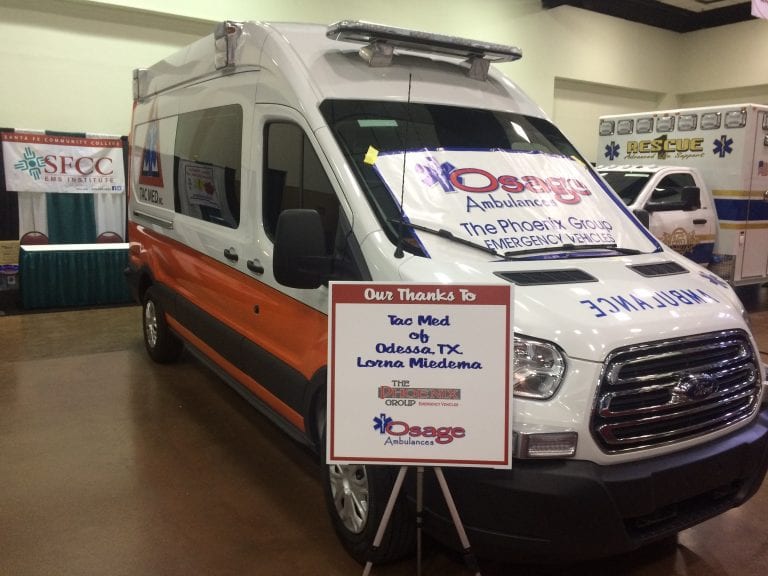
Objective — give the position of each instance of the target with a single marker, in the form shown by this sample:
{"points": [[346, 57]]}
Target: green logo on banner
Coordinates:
{"points": [[31, 163]]}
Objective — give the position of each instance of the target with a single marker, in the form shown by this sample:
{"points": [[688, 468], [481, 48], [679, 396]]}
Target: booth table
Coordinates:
{"points": [[62, 275]]}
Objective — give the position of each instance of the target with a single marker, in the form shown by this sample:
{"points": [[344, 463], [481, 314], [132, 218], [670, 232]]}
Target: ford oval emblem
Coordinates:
{"points": [[695, 387]]}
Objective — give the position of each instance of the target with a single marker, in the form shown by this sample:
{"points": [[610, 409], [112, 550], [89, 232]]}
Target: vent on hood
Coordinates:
{"points": [[659, 269], [539, 277]]}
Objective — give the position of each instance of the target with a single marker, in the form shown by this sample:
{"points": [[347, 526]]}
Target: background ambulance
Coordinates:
{"points": [[268, 159], [657, 160]]}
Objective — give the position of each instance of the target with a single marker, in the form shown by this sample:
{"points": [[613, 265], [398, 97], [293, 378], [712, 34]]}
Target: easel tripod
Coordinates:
{"points": [[469, 557]]}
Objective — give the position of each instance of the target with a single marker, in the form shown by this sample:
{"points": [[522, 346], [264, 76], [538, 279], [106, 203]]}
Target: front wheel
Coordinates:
{"points": [[356, 496], [162, 345]]}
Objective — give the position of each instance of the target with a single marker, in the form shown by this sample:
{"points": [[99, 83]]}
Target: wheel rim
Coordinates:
{"points": [[150, 323], [349, 487]]}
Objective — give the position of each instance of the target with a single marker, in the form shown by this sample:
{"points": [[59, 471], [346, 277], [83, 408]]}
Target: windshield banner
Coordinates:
{"points": [[505, 200]]}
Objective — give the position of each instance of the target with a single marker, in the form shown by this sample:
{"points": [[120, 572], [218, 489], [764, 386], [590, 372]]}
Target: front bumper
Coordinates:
{"points": [[567, 510]]}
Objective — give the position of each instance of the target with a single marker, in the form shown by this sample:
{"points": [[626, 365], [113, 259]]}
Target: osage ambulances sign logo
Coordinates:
{"points": [[401, 433], [479, 181]]}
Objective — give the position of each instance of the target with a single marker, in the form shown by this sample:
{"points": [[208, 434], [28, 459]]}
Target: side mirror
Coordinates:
{"points": [[299, 259], [690, 197], [644, 216]]}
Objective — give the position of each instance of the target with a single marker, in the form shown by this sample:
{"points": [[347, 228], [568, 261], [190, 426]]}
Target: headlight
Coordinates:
{"points": [[538, 369], [747, 319]]}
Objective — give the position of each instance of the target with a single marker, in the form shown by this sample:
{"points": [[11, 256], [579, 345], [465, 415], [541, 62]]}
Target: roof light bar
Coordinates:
{"points": [[381, 40]]}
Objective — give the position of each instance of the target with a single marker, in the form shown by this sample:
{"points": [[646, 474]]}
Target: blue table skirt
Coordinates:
{"points": [[56, 276]]}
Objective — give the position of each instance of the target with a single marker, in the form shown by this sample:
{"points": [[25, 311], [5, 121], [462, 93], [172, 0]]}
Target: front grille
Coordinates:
{"points": [[665, 392]]}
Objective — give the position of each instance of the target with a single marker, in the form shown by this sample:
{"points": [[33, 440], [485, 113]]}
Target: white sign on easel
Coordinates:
{"points": [[420, 374]]}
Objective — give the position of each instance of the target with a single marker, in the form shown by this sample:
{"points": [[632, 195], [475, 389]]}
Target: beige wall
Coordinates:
{"points": [[67, 63]]}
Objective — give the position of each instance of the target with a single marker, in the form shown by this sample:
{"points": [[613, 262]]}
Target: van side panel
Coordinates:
{"points": [[230, 317], [263, 393]]}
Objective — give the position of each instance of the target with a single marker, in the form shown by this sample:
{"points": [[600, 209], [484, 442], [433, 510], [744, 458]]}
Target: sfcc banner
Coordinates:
{"points": [[53, 163]]}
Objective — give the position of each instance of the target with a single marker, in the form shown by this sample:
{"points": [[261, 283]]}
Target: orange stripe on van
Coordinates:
{"points": [[291, 331], [263, 394]]}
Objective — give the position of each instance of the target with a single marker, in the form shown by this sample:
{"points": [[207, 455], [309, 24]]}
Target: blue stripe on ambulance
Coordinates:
{"points": [[741, 209], [701, 253]]}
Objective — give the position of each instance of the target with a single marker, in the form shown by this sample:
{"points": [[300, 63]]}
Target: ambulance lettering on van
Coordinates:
{"points": [[605, 305], [267, 160]]}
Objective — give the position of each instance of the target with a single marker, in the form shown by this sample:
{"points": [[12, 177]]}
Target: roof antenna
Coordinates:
{"points": [[399, 248]]}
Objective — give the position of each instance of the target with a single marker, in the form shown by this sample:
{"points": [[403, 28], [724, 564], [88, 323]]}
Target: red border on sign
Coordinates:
{"points": [[405, 294]]}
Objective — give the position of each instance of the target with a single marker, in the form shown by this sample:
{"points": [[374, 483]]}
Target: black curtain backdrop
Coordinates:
{"points": [[9, 204]]}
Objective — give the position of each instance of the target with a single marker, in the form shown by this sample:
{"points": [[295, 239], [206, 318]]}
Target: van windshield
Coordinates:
{"points": [[507, 183]]}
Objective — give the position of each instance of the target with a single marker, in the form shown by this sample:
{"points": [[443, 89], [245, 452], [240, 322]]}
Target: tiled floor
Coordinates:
{"points": [[111, 465]]}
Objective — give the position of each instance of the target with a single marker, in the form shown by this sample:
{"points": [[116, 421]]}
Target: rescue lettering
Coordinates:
{"points": [[665, 145]]}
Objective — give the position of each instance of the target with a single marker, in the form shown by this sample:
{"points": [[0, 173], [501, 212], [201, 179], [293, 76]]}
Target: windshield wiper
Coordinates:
{"points": [[571, 248], [566, 249], [448, 235]]}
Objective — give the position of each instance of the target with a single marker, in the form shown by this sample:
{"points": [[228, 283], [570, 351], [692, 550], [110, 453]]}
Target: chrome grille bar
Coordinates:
{"points": [[669, 391], [607, 400]]}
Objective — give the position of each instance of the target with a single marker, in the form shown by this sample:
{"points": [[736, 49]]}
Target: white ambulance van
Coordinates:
{"points": [[702, 175], [269, 159]]}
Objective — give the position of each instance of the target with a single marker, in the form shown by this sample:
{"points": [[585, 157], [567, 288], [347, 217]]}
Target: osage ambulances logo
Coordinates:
{"points": [[478, 181], [401, 433]]}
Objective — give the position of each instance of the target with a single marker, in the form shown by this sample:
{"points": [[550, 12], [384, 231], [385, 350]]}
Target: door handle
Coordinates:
{"points": [[699, 220], [231, 254], [255, 266]]}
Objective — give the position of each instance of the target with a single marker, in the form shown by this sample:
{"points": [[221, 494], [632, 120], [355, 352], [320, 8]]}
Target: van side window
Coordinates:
{"points": [[295, 178], [207, 164]]}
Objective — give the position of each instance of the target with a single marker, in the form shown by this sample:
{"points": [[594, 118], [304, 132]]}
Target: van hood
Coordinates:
{"points": [[594, 305]]}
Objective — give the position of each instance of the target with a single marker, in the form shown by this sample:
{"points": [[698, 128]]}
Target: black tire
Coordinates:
{"points": [[356, 496], [162, 345]]}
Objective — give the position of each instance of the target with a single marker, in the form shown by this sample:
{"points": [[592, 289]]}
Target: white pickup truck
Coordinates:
{"points": [[678, 206]]}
